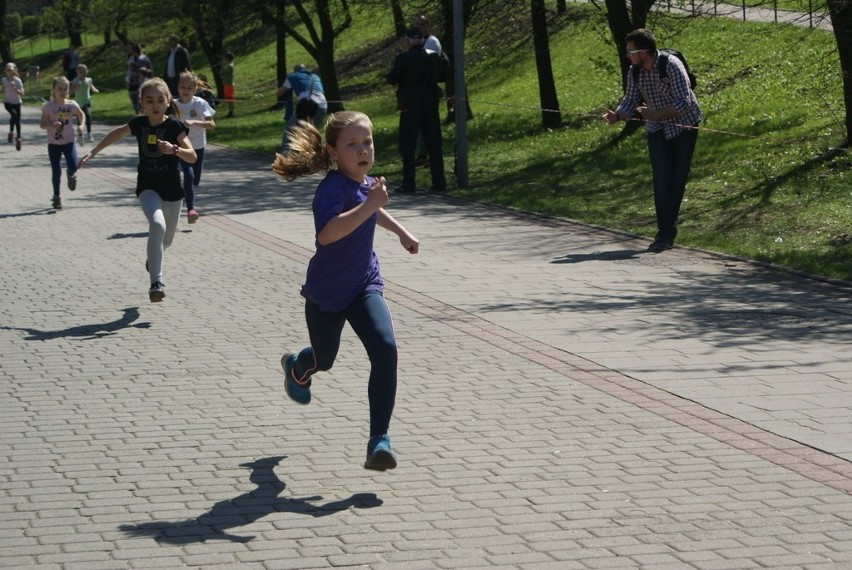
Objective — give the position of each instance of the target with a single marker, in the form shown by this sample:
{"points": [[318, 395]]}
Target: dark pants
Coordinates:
{"points": [[55, 152], [172, 82], [670, 162], [14, 117], [134, 99], [192, 177], [370, 318], [413, 123], [87, 112]]}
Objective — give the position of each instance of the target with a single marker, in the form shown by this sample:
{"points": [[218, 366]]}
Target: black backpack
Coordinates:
{"points": [[663, 64]]}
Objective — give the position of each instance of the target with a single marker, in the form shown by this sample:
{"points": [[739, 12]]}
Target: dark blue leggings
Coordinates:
{"points": [[14, 117], [192, 177], [55, 152], [370, 318], [87, 112]]}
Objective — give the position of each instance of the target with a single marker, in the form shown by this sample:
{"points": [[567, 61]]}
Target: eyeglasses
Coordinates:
{"points": [[634, 51]]}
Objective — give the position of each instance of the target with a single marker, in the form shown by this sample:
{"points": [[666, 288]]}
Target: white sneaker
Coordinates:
{"points": [[89, 137]]}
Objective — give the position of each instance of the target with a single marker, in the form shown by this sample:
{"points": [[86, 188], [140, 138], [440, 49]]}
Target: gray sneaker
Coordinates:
{"points": [[157, 292]]}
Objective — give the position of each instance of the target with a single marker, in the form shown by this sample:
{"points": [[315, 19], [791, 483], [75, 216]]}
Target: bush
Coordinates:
{"points": [[31, 26]]}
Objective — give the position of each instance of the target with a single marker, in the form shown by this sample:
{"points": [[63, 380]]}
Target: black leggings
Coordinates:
{"points": [[87, 112], [15, 118]]}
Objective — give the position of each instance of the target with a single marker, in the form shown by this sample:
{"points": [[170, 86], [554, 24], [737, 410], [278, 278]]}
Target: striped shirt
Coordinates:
{"points": [[658, 95]]}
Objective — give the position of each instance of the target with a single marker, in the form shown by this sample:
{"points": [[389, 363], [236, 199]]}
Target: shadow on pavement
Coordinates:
{"points": [[616, 255], [87, 332], [42, 212], [245, 509]]}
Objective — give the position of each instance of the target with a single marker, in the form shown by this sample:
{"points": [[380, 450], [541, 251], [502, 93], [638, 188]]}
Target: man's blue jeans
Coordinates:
{"points": [[370, 318], [670, 162]]}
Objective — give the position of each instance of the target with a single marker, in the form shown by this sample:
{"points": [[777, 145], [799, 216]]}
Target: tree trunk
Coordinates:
{"points": [[550, 115], [398, 18], [622, 21], [841, 21], [5, 43], [74, 27]]}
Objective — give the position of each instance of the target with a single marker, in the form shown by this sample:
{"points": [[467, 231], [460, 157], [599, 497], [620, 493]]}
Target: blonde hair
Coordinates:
{"points": [[188, 76], [60, 79], [160, 85], [307, 153], [83, 67], [11, 66]]}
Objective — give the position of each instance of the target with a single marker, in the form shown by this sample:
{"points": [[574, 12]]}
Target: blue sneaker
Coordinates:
{"points": [[379, 454], [298, 392]]}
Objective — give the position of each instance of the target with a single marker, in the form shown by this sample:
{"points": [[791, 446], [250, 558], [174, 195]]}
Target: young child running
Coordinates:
{"points": [[162, 143], [228, 81], [343, 278], [196, 114], [13, 88], [56, 119], [82, 88]]}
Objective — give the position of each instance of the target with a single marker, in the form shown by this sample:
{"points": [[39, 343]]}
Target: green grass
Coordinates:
{"points": [[762, 185]]}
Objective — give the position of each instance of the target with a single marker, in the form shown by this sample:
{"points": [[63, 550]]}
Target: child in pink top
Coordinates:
{"points": [[13, 89], [56, 119]]}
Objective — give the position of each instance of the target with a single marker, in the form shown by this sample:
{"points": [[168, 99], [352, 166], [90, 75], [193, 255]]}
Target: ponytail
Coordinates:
{"points": [[307, 154]]}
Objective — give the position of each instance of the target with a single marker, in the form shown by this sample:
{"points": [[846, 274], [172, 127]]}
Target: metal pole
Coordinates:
{"points": [[460, 104]]}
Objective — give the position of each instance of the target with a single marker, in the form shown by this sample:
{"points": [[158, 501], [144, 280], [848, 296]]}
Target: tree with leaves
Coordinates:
{"points": [[324, 21]]}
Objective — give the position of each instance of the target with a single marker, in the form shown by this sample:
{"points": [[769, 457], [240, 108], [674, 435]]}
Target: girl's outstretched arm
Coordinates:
{"points": [[407, 239], [114, 135]]}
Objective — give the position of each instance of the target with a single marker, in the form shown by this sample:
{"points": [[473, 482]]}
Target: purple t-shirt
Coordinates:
{"points": [[340, 271]]}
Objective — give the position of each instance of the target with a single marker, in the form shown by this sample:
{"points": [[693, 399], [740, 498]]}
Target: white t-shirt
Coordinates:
{"points": [[196, 110], [432, 44], [11, 87]]}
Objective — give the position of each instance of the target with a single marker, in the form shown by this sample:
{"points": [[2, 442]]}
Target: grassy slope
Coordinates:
{"points": [[760, 189]]}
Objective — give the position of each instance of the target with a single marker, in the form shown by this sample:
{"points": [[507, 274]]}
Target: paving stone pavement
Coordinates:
{"points": [[566, 400]]}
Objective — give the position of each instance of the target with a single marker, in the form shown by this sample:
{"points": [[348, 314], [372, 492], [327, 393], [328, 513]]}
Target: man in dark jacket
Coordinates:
{"points": [[416, 73], [177, 61]]}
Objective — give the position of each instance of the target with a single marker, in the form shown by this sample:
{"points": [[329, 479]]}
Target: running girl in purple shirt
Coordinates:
{"points": [[343, 281]]}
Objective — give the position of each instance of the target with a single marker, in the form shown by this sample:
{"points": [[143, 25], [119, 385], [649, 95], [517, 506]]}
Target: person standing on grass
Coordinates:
{"points": [[343, 279], [82, 88], [138, 68], [671, 112], [228, 82], [416, 74], [70, 59], [13, 97], [162, 142], [310, 104], [57, 119], [177, 61], [196, 114]]}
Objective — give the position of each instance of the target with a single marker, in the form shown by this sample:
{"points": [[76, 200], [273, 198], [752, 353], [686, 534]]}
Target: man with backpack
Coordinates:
{"points": [[659, 88]]}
